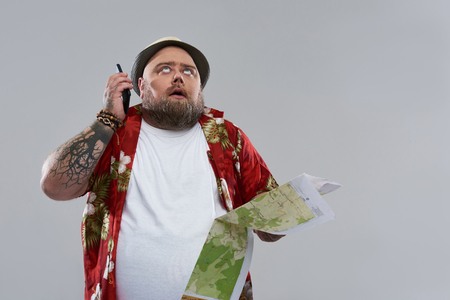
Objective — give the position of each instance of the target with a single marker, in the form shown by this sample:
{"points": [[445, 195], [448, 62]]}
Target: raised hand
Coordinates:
{"points": [[112, 100]]}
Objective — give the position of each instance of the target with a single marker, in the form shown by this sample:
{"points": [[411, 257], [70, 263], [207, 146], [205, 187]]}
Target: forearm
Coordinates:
{"points": [[66, 171]]}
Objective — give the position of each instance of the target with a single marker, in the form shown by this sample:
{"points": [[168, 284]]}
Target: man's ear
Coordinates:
{"points": [[141, 87]]}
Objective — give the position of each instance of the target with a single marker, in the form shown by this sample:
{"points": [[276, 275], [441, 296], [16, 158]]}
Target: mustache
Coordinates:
{"points": [[172, 88]]}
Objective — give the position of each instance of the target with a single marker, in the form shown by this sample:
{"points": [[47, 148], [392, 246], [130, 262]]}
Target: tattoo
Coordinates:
{"points": [[76, 159], [109, 104]]}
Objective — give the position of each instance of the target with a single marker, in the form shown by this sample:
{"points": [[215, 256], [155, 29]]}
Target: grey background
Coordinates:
{"points": [[355, 91]]}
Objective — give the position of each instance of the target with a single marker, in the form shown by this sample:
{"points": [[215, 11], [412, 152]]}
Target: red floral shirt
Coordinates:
{"points": [[240, 173]]}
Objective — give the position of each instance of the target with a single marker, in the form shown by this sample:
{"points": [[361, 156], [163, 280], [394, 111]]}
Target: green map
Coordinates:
{"points": [[220, 261], [219, 264], [221, 258], [278, 210]]}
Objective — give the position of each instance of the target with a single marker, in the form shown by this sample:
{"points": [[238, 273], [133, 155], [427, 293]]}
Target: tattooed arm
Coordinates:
{"points": [[66, 171]]}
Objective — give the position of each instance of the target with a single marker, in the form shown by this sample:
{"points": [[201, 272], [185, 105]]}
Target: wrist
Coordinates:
{"points": [[109, 119]]}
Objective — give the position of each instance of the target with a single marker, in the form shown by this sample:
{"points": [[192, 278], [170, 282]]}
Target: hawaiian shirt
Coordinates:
{"points": [[240, 173]]}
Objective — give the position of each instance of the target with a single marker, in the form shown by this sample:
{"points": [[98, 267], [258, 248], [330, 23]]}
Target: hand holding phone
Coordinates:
{"points": [[126, 94]]}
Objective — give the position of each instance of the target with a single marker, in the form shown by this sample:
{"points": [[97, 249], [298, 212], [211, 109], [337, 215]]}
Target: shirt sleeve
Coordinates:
{"points": [[255, 176]]}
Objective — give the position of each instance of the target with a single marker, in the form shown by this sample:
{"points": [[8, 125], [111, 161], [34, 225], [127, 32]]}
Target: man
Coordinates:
{"points": [[155, 185]]}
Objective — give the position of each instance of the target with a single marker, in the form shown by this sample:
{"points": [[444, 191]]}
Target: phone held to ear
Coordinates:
{"points": [[126, 94]]}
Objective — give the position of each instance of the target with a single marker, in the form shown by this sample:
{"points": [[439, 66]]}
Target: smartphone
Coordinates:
{"points": [[126, 94]]}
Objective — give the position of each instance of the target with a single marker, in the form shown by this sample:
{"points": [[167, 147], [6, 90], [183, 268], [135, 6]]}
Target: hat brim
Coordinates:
{"points": [[142, 59]]}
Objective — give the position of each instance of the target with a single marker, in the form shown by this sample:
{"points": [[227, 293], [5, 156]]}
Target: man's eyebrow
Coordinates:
{"points": [[189, 66], [172, 63]]}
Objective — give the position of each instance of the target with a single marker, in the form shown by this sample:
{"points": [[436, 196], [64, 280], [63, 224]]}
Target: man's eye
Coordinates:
{"points": [[165, 69], [187, 72]]}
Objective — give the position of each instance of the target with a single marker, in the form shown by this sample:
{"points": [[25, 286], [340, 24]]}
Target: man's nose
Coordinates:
{"points": [[178, 77]]}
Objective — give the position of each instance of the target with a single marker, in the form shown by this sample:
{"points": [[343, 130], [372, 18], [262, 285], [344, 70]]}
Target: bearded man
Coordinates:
{"points": [[155, 186]]}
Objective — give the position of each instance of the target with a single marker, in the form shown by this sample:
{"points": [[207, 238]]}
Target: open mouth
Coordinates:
{"points": [[178, 93]]}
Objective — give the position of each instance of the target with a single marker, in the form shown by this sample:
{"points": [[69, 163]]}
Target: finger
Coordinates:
{"points": [[120, 87], [118, 80], [276, 237], [115, 79], [268, 237], [116, 86], [112, 78]]}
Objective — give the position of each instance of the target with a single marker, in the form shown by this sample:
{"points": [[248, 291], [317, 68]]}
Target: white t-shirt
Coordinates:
{"points": [[171, 202]]}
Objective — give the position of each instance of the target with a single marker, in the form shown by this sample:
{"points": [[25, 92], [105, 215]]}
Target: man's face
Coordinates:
{"points": [[170, 89]]}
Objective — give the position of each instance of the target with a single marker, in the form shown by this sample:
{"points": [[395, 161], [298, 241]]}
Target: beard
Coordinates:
{"points": [[172, 114]]}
